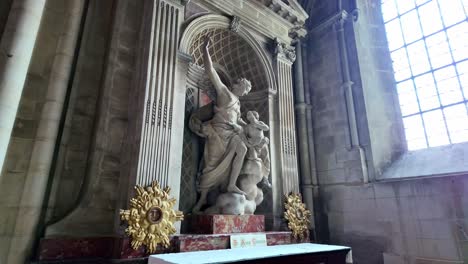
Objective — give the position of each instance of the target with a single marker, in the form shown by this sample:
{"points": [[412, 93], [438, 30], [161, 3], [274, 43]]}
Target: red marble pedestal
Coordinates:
{"points": [[119, 248], [187, 243], [76, 248], [226, 224]]}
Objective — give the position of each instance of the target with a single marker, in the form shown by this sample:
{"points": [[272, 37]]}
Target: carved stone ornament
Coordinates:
{"points": [[235, 24], [151, 217], [297, 216], [284, 51]]}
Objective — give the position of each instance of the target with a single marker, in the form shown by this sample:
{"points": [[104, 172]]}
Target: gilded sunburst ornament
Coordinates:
{"points": [[297, 215], [151, 217]]}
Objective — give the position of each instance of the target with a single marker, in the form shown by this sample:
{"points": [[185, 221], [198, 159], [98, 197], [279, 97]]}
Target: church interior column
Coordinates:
{"points": [[304, 145], [37, 177], [16, 49]]}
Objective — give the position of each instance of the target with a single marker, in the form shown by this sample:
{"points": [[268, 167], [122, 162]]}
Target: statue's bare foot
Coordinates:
{"points": [[235, 189]]}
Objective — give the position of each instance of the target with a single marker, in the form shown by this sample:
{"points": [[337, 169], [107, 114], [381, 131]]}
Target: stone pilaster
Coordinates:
{"points": [[354, 141], [16, 49], [157, 150], [284, 58]]}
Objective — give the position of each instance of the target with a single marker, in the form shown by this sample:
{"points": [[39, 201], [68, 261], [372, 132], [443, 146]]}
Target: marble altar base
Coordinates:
{"points": [[51, 249], [189, 243], [225, 224]]}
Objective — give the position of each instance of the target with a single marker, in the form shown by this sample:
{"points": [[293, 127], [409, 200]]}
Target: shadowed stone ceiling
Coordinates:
{"points": [[234, 54]]}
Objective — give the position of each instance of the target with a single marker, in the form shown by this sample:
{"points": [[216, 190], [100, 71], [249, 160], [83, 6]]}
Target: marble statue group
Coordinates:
{"points": [[235, 156]]}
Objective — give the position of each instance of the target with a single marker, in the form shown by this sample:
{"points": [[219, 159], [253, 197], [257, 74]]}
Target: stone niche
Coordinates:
{"points": [[251, 40], [233, 58]]}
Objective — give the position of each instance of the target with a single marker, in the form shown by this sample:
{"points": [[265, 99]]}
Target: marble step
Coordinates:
{"points": [[63, 249]]}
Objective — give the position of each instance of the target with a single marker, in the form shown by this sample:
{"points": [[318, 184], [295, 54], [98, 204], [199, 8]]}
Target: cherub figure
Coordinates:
{"points": [[257, 165], [253, 132]]}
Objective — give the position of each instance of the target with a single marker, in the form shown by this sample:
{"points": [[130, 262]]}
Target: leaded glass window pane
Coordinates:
{"points": [[428, 43]]}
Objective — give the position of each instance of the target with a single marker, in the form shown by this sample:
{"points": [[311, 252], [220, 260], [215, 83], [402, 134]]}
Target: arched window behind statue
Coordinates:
{"points": [[428, 43]]}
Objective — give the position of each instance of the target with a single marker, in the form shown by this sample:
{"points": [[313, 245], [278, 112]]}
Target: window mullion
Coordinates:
{"points": [[432, 109], [435, 69], [430, 35]]}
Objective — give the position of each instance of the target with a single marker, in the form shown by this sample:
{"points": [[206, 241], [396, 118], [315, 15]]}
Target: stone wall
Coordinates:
{"points": [[77, 136], [95, 126], [417, 220], [93, 157], [424, 220], [372, 73], [4, 10]]}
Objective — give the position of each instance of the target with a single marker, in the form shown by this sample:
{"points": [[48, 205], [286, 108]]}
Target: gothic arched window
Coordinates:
{"points": [[428, 42]]}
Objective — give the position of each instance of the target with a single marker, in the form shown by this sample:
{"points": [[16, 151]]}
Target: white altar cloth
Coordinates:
{"points": [[240, 254]]}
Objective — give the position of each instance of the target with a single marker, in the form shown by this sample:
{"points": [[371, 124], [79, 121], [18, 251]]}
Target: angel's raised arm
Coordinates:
{"points": [[214, 77]]}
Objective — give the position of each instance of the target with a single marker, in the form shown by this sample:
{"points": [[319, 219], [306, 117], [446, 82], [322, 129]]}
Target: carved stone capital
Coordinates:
{"points": [[283, 51]]}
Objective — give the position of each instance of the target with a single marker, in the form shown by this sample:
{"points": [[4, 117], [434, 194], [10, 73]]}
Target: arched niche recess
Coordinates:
{"points": [[235, 54]]}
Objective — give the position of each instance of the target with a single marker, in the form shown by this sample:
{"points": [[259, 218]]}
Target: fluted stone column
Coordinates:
{"points": [[16, 49]]}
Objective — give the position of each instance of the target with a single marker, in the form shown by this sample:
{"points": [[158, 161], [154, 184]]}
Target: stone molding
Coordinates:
{"points": [[292, 12], [333, 20], [337, 20], [277, 18], [303, 106]]}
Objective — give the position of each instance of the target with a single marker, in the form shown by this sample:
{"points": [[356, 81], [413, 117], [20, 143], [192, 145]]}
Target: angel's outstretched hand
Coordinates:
{"points": [[208, 40]]}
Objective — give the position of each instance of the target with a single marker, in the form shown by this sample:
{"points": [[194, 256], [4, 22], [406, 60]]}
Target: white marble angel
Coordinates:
{"points": [[224, 150]]}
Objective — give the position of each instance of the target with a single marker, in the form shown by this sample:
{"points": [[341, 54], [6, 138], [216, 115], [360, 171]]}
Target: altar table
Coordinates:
{"points": [[293, 253]]}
